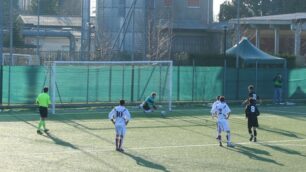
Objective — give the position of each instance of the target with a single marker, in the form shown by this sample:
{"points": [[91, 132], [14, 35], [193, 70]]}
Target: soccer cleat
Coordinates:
{"points": [[220, 144], [255, 140], [230, 145], [251, 138], [39, 132], [121, 150], [46, 130], [117, 149]]}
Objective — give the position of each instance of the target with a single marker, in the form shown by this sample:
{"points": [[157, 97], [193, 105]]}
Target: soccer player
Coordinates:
{"points": [[149, 104], [222, 111], [43, 101], [251, 113], [213, 108], [214, 105], [252, 95], [120, 117]]}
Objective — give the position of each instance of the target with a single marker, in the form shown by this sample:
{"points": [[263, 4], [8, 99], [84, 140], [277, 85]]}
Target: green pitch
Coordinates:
{"points": [[183, 141]]}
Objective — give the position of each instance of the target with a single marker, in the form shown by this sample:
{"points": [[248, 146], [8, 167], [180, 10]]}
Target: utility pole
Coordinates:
{"points": [[85, 35], [37, 27]]}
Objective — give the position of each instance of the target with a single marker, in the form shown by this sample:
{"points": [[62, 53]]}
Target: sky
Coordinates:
{"points": [[217, 4]]}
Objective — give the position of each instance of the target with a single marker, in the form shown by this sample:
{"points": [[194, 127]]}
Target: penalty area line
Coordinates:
{"points": [[109, 149]]}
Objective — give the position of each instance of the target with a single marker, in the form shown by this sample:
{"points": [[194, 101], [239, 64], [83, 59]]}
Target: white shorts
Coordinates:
{"points": [[120, 130], [223, 125]]}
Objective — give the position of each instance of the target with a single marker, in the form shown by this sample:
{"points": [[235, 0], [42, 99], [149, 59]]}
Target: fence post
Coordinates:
{"points": [[193, 80], [178, 81]]}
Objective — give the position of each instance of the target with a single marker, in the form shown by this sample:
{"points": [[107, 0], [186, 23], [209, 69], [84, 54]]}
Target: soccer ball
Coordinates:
{"points": [[163, 113]]}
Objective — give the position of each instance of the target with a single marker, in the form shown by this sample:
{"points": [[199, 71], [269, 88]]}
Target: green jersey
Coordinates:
{"points": [[43, 100], [150, 100]]}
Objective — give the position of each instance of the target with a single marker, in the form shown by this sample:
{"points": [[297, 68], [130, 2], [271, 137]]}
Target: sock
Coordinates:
{"points": [[120, 142], [255, 132], [228, 137], [219, 138], [250, 131], [39, 125], [44, 124], [117, 143]]}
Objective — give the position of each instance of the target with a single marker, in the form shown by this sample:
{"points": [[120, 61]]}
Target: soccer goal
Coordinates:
{"points": [[20, 59], [94, 82]]}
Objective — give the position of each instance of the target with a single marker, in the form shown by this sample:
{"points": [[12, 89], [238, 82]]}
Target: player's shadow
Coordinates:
{"points": [[254, 154], [84, 130], [145, 163], [284, 150], [59, 141], [279, 131]]}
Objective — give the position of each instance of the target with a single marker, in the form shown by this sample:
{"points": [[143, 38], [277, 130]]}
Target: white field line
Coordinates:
{"points": [[97, 121], [289, 112], [109, 149], [205, 111]]}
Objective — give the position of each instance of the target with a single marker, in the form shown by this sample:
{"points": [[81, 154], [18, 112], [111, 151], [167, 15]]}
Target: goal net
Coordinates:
{"points": [[20, 59], [94, 82]]}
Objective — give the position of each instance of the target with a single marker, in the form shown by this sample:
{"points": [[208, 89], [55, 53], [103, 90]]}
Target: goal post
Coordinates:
{"points": [[94, 82]]}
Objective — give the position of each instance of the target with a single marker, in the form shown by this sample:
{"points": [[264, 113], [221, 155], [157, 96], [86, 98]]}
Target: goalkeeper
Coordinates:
{"points": [[149, 104]]}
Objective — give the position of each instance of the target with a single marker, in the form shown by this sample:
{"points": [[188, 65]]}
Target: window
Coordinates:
{"points": [[167, 2], [193, 3]]}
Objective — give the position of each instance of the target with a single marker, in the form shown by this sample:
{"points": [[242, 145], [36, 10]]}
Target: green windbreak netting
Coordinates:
{"points": [[25, 83], [83, 83], [237, 82], [111, 83], [197, 83], [297, 84]]}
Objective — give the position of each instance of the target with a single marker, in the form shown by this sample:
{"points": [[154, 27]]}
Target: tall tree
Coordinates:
{"points": [[46, 7], [17, 39], [250, 8]]}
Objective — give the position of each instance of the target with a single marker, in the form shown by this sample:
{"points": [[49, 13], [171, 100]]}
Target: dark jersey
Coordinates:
{"points": [[253, 95], [251, 111]]}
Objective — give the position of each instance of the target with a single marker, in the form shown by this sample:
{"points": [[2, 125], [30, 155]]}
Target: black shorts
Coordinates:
{"points": [[146, 106], [252, 122], [43, 111]]}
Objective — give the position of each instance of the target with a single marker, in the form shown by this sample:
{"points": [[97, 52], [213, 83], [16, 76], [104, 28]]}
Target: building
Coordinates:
{"points": [[55, 33], [157, 29], [277, 34]]}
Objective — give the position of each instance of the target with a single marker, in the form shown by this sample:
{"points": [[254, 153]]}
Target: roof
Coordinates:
{"points": [[272, 19], [194, 25], [251, 54], [52, 21]]}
